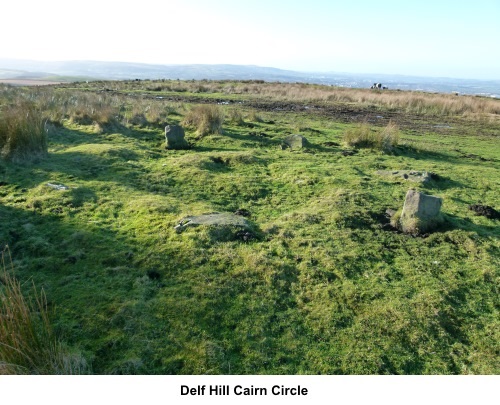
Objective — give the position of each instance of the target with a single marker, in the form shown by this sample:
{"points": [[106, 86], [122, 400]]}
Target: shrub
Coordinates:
{"points": [[22, 132], [27, 342], [207, 119], [362, 136]]}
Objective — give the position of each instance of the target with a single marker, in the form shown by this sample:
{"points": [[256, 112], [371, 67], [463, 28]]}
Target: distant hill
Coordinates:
{"points": [[86, 70]]}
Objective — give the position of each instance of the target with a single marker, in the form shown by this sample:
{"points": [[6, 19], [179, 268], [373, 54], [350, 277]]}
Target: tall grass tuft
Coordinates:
{"points": [[363, 136], [22, 132], [389, 136], [207, 119], [360, 136], [236, 117], [27, 343]]}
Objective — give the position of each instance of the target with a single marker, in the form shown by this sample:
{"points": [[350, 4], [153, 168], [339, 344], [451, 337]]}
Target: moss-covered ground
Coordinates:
{"points": [[324, 287]]}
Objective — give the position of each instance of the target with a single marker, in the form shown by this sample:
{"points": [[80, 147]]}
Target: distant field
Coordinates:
{"points": [[28, 82]]}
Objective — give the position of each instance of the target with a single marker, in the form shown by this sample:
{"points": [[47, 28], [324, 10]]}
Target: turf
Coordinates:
{"points": [[323, 287]]}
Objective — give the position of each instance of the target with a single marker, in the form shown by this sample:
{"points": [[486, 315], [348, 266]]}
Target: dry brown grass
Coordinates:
{"points": [[22, 132], [27, 342], [207, 119], [363, 136], [236, 117], [405, 101], [411, 102]]}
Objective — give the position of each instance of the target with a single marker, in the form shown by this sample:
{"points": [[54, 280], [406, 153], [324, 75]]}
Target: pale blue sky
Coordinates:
{"points": [[427, 38]]}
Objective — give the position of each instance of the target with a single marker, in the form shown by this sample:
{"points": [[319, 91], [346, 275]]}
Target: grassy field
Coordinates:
{"points": [[324, 286]]}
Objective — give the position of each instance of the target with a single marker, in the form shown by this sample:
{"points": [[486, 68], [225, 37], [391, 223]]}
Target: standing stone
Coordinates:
{"points": [[296, 141], [421, 212], [174, 136]]}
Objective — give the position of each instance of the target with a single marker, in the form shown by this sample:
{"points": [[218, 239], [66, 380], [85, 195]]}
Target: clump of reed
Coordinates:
{"points": [[207, 119], [23, 135], [236, 117], [364, 136], [28, 344]]}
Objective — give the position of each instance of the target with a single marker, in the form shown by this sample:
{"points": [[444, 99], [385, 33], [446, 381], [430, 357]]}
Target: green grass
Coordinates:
{"points": [[323, 289]]}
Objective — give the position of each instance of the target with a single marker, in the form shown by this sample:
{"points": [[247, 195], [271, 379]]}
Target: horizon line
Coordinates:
{"points": [[244, 65]]}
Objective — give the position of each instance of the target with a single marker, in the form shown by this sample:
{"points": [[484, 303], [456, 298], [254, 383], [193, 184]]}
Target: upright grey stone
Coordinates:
{"points": [[174, 136], [296, 141], [421, 212]]}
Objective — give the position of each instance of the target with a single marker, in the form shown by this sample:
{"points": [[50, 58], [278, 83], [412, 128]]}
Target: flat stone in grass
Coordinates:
{"points": [[421, 213], [222, 219], [296, 141], [410, 175], [175, 138], [58, 186]]}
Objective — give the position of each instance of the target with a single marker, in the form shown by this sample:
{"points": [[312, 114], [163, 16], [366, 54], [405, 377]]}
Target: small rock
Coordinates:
{"points": [[295, 142], [58, 186], [390, 212], [214, 219], [421, 213], [175, 138], [410, 175]]}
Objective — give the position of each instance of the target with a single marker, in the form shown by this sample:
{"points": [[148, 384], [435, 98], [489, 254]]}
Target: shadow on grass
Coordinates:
{"points": [[261, 138], [440, 182], [419, 154], [455, 222], [70, 261], [70, 137]]}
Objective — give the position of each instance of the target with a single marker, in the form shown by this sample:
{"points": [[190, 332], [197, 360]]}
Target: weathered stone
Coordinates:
{"points": [[214, 219], [421, 213], [58, 186], [410, 175], [390, 212], [295, 141], [175, 138]]}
